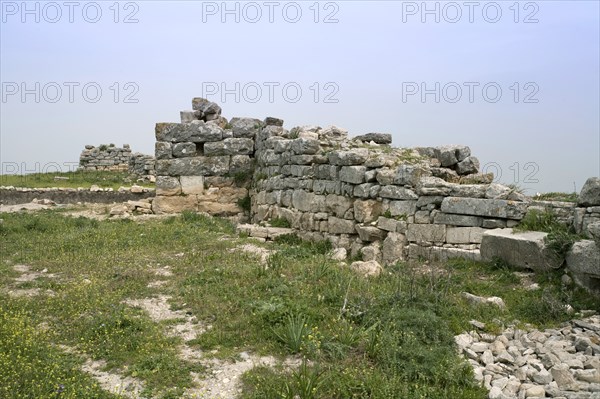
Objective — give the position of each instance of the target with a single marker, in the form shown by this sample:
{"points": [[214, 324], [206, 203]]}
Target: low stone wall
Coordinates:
{"points": [[19, 195], [108, 157], [362, 194]]}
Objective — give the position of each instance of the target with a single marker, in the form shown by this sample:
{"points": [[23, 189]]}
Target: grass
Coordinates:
{"points": [[384, 337], [280, 222], [560, 236], [76, 179], [554, 196]]}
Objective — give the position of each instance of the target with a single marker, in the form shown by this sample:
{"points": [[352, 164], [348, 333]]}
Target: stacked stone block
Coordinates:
{"points": [[108, 157], [204, 163], [374, 200], [105, 157]]}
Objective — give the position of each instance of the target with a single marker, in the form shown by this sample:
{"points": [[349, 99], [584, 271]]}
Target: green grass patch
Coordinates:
{"points": [[555, 196], [560, 236], [385, 337], [280, 222], [82, 178]]}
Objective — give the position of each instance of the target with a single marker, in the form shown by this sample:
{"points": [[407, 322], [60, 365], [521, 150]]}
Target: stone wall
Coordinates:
{"points": [[108, 157], [377, 201]]}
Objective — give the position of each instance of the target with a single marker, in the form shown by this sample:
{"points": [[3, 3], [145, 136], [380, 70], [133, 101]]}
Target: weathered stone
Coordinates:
{"points": [[378, 138], [367, 269], [393, 248], [162, 150], [367, 211], [307, 202], [590, 193], [484, 207], [240, 165], [409, 175], [422, 217], [305, 146], [479, 300], [457, 220], [526, 250], [363, 190], [370, 233], [271, 121], [341, 226], [232, 146], [245, 127], [450, 155], [181, 150], [477, 178], [201, 132], [175, 204], [396, 192], [429, 200], [563, 377], [403, 208], [326, 172], [391, 225], [426, 233], [497, 191], [187, 116], [208, 109], [386, 176], [218, 165], [173, 132], [467, 166], [433, 186], [353, 174], [333, 133], [583, 260], [337, 205], [192, 184], [464, 235], [166, 185], [355, 156], [493, 223]]}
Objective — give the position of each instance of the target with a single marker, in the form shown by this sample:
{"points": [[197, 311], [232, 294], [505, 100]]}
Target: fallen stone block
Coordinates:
{"points": [[525, 250]]}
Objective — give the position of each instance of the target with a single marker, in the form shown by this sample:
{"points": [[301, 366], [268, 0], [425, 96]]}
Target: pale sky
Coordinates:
{"points": [[516, 81]]}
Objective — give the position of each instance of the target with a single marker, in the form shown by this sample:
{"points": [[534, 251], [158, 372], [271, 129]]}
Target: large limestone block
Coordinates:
{"points": [[457, 220], [176, 204], [301, 146], [204, 132], [464, 235], [163, 150], [182, 150], [426, 233], [393, 248], [307, 202], [231, 146], [167, 185], [396, 192], [450, 155], [172, 132], [367, 211], [356, 156], [353, 174], [495, 208], [337, 205], [245, 127], [192, 184], [370, 233], [526, 250], [583, 260], [590, 193], [341, 226], [378, 138], [195, 166], [403, 208]]}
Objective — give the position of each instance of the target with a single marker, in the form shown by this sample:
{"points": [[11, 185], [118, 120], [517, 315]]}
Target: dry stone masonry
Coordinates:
{"points": [[375, 201], [111, 158]]}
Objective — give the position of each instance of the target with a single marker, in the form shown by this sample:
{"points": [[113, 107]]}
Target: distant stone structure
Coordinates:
{"points": [[108, 157], [382, 203]]}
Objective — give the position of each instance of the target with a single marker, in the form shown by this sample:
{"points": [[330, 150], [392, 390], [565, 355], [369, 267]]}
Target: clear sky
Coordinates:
{"points": [[517, 81]]}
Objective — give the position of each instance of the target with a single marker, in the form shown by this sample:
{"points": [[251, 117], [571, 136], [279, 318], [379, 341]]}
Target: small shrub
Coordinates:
{"points": [[280, 222], [245, 203], [103, 147], [293, 332], [560, 236]]}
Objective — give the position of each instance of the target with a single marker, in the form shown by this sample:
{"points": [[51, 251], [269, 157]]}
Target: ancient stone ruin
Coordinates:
{"points": [[108, 157], [379, 202]]}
